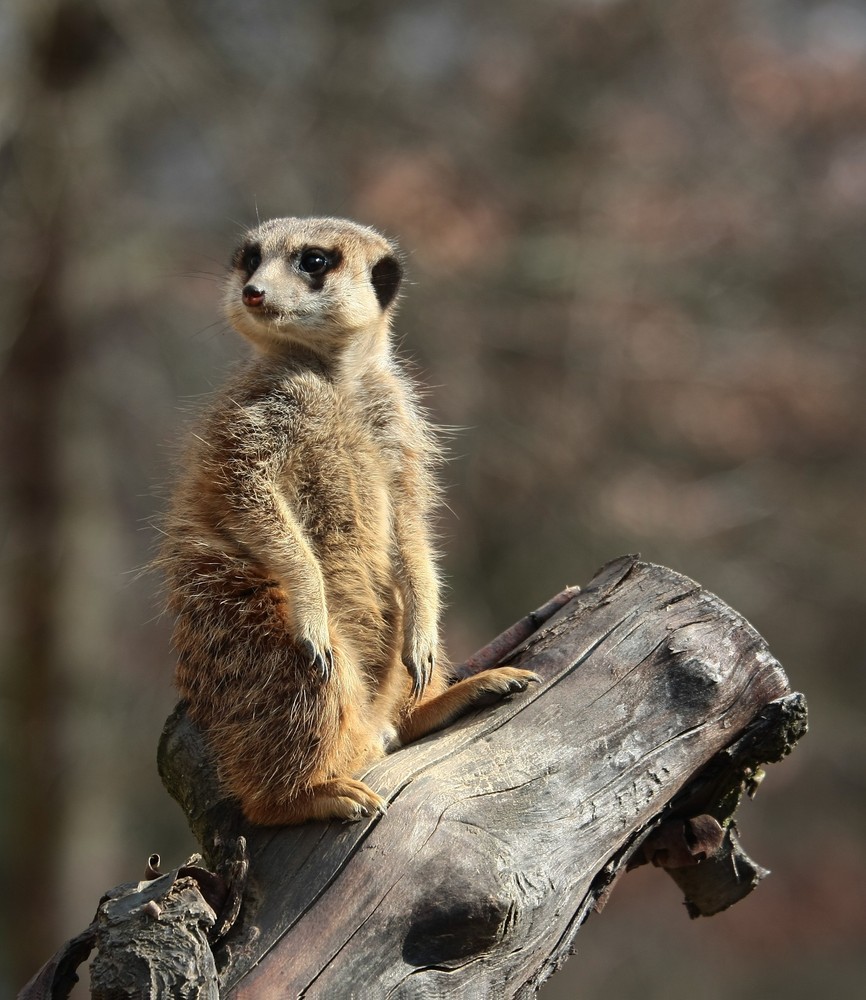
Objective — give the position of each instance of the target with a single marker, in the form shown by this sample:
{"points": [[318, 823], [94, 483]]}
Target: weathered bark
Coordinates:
{"points": [[659, 706], [155, 933]]}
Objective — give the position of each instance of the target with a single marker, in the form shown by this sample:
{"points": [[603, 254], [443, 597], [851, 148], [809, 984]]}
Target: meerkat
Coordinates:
{"points": [[300, 564]]}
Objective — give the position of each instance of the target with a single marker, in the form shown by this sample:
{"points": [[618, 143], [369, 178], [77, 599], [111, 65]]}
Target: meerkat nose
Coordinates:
{"points": [[252, 295]]}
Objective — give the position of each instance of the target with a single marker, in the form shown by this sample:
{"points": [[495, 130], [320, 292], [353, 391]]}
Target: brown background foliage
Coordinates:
{"points": [[636, 248]]}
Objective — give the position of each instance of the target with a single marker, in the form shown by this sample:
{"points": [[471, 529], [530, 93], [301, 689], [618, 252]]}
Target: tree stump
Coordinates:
{"points": [[659, 706]]}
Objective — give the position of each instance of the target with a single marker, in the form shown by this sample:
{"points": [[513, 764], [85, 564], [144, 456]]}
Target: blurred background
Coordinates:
{"points": [[637, 283]]}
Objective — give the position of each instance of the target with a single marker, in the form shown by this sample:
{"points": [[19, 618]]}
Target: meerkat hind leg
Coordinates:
{"points": [[478, 691], [338, 798]]}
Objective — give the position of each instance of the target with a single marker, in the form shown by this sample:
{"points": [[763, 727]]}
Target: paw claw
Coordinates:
{"points": [[362, 803], [420, 667], [420, 675], [321, 660], [522, 683]]}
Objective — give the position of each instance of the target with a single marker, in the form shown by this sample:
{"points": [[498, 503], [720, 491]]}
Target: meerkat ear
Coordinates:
{"points": [[385, 277]]}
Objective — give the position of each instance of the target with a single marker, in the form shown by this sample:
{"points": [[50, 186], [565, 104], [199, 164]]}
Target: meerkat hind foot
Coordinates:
{"points": [[477, 691], [494, 685], [343, 799]]}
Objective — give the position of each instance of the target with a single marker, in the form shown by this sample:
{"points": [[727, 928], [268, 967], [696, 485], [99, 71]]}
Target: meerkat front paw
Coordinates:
{"points": [[315, 644], [419, 658], [321, 660]]}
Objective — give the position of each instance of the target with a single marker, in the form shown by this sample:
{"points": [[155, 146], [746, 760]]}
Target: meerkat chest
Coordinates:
{"points": [[340, 476]]}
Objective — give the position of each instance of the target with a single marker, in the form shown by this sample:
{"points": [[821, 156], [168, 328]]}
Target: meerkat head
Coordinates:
{"points": [[312, 282]]}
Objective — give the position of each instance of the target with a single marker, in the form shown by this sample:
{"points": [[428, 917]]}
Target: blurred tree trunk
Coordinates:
{"points": [[31, 390], [64, 44]]}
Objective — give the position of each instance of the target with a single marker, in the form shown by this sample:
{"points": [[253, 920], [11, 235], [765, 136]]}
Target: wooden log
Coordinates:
{"points": [[658, 707], [506, 830]]}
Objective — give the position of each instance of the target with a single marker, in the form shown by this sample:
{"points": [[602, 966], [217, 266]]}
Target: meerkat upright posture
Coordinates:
{"points": [[298, 551]]}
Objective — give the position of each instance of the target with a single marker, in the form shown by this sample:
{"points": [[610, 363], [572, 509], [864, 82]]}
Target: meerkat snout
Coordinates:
{"points": [[253, 296]]}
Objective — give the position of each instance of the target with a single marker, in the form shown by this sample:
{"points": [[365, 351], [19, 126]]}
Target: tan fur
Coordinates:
{"points": [[298, 550]]}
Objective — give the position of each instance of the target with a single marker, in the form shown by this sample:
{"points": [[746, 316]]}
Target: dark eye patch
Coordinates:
{"points": [[247, 258]]}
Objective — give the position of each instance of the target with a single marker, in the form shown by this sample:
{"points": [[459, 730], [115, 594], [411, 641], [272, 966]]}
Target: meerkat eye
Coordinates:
{"points": [[251, 260], [315, 262]]}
